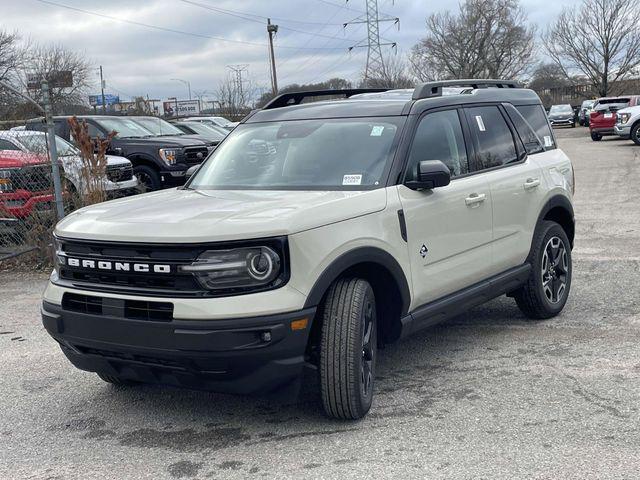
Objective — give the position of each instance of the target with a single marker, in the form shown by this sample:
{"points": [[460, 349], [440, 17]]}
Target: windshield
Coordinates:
{"points": [[561, 109], [124, 127], [205, 130], [588, 103], [329, 154], [158, 126], [37, 143]]}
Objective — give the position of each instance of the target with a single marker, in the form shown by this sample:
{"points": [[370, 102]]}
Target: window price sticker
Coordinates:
{"points": [[351, 179]]}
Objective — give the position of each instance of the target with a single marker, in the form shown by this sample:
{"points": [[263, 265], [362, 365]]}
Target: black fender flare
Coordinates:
{"points": [[557, 201], [354, 257]]}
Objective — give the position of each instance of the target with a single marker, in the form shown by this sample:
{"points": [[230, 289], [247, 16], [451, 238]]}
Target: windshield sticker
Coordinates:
{"points": [[377, 130], [480, 123], [547, 141], [352, 180]]}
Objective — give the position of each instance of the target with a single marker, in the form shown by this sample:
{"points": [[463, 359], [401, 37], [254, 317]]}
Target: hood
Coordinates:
{"points": [[632, 110], [196, 216], [168, 141], [18, 159], [116, 160], [560, 114]]}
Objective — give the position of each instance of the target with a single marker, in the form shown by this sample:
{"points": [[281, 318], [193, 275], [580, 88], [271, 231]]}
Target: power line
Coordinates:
{"points": [[171, 30]]}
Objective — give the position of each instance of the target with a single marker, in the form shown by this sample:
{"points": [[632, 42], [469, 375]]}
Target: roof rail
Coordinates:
{"points": [[434, 89], [295, 98]]}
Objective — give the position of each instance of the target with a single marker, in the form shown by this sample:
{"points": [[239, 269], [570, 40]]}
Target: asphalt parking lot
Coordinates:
{"points": [[487, 395]]}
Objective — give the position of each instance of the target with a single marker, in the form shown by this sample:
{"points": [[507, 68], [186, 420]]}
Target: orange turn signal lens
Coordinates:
{"points": [[299, 324]]}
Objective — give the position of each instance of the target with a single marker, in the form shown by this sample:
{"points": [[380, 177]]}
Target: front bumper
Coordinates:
{"points": [[563, 121], [602, 130], [241, 355], [623, 131]]}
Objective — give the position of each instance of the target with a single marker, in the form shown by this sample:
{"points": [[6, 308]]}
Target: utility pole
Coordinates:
{"points": [[53, 150], [104, 105], [375, 62], [272, 30]]}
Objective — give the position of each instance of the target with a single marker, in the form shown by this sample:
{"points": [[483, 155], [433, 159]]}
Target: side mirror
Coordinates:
{"points": [[191, 171], [431, 174]]}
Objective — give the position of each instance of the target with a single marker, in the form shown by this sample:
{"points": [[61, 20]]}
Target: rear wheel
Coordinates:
{"points": [[148, 178], [596, 137], [635, 133], [348, 349], [547, 289]]}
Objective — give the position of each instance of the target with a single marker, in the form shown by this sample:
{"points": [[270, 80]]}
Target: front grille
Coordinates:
{"points": [[116, 307], [140, 283], [195, 155], [109, 354], [33, 179], [119, 173]]}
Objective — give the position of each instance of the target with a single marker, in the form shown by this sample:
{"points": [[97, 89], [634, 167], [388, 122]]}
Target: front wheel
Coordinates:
{"points": [[635, 133], [547, 289], [148, 178], [596, 137], [348, 349]]}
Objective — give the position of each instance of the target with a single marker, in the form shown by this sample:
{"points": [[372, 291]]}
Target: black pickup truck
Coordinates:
{"points": [[158, 161]]}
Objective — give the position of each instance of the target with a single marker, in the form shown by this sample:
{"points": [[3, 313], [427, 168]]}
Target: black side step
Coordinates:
{"points": [[459, 302]]}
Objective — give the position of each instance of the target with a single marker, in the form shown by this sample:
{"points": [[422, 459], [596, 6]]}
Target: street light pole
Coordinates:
{"points": [[104, 106], [272, 30], [186, 82]]}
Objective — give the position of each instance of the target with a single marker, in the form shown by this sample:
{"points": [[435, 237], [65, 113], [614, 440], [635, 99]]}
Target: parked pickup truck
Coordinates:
{"points": [[603, 117], [25, 187], [118, 181], [158, 161]]}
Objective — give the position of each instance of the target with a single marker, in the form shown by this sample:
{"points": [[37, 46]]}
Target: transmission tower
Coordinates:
{"points": [[373, 18], [238, 71]]}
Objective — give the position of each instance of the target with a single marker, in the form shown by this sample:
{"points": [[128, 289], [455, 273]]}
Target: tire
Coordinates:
{"points": [[547, 289], [116, 380], [573, 125], [148, 178], [348, 349], [596, 137], [635, 133]]}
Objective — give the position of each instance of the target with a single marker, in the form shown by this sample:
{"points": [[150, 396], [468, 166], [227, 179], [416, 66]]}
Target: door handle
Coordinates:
{"points": [[531, 183], [475, 199]]}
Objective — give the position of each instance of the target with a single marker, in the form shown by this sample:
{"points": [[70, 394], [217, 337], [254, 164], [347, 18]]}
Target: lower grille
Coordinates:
{"points": [[33, 179], [155, 361], [115, 307]]}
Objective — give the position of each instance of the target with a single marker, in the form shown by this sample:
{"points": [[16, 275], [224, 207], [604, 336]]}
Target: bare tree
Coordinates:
{"points": [[609, 53], [394, 75], [485, 39], [12, 55], [234, 99], [44, 60]]}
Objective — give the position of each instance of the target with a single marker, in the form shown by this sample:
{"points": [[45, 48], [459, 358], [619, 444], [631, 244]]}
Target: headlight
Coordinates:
{"points": [[6, 185], [237, 268], [58, 256], [624, 117], [169, 155]]}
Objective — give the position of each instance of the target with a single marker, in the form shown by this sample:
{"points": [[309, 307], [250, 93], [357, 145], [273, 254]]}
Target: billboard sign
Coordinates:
{"points": [[96, 100], [181, 108], [56, 79]]}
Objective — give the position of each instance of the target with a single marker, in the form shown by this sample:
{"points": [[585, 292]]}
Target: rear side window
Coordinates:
{"points": [[537, 118], [492, 136], [532, 143]]}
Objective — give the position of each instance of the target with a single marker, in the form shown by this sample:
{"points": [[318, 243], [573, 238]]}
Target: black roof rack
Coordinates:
{"points": [[434, 89], [295, 98]]}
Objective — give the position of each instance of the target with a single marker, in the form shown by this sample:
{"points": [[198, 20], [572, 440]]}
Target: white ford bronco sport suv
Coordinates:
{"points": [[316, 232]]}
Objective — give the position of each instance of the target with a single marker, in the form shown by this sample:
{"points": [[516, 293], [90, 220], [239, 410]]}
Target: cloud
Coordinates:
{"points": [[141, 61]]}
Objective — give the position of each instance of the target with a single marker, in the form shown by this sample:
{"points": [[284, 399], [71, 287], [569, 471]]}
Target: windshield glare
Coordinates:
{"points": [[204, 129], [561, 109], [37, 143], [332, 154], [124, 127], [158, 126]]}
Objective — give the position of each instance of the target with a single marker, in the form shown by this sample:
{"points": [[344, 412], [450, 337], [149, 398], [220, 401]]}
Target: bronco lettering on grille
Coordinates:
{"points": [[118, 266]]}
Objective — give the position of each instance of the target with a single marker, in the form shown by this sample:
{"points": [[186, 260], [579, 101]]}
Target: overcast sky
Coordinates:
{"points": [[311, 45]]}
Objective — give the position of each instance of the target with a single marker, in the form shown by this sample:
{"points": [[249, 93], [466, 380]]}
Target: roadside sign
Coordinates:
{"points": [[96, 100], [56, 79], [181, 108]]}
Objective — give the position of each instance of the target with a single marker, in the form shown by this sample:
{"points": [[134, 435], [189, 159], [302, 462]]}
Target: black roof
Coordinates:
{"points": [[376, 103]]}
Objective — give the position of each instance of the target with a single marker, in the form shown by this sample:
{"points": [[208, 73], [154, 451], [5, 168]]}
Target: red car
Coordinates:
{"points": [[25, 185], [603, 116]]}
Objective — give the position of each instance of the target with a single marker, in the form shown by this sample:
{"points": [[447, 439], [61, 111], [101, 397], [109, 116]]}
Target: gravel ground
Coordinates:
{"points": [[487, 395]]}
